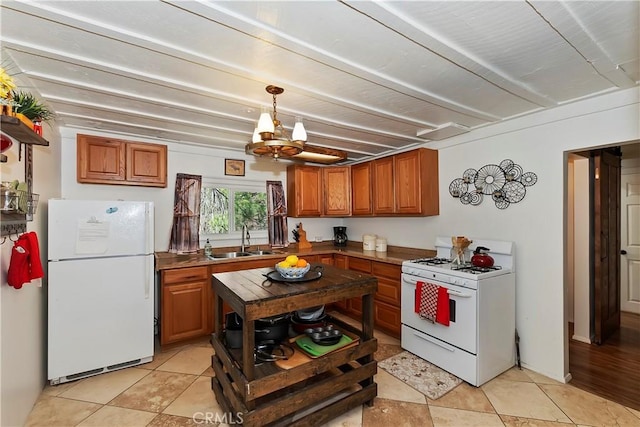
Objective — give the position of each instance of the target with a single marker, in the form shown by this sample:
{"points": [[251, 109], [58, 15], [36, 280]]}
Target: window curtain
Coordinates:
{"points": [[185, 232], [276, 215]]}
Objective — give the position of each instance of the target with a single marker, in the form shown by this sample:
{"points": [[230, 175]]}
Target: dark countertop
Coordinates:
{"points": [[394, 255]]}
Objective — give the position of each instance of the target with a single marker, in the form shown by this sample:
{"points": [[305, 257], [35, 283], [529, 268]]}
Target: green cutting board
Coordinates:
{"points": [[316, 350]]}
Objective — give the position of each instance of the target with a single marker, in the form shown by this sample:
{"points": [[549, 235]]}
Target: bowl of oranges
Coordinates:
{"points": [[293, 267]]}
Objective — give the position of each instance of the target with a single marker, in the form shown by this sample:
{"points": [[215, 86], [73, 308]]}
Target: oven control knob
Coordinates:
{"points": [[454, 281]]}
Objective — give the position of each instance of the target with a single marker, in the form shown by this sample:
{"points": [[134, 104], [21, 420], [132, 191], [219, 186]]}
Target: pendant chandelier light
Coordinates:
{"points": [[271, 139]]}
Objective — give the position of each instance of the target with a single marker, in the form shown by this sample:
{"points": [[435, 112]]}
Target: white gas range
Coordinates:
{"points": [[479, 341]]}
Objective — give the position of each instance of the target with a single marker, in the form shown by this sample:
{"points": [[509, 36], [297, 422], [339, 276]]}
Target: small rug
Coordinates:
{"points": [[420, 374]]}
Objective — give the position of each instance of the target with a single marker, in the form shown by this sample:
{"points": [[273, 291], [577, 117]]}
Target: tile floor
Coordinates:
{"points": [[174, 390]]}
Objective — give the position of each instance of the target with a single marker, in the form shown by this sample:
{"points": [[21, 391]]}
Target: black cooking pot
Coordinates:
{"points": [[233, 321], [274, 328]]}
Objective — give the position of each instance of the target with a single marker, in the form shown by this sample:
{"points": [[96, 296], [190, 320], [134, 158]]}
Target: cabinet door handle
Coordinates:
{"points": [[458, 293]]}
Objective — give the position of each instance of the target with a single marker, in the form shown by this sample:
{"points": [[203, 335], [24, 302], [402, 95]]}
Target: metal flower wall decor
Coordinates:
{"points": [[506, 183]]}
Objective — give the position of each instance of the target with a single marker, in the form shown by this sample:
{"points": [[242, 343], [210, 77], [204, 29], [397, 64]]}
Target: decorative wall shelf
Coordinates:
{"points": [[13, 127]]}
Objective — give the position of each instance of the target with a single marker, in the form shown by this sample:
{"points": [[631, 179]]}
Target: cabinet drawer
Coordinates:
{"points": [[382, 269], [359, 264], [387, 317], [181, 275]]}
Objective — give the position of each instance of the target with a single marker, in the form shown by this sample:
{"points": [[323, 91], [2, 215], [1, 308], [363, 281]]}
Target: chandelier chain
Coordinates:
{"points": [[275, 118]]}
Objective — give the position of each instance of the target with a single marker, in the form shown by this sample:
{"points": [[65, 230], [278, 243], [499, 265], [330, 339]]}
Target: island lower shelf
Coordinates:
{"points": [[333, 383]]}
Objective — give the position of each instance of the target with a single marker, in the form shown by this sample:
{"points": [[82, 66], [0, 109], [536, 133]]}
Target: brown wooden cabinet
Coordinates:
{"points": [[314, 191], [416, 182], [186, 307], [336, 185], [383, 189], [387, 297], [406, 184], [113, 161], [362, 189], [304, 191], [185, 302]]}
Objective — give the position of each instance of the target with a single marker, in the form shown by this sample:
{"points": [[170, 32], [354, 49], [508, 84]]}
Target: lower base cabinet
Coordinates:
{"points": [[185, 300], [387, 297]]}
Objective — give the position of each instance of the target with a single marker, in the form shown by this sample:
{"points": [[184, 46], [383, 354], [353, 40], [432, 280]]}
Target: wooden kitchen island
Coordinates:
{"points": [[313, 392]]}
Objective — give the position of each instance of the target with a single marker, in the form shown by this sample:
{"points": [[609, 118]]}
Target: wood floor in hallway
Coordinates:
{"points": [[610, 370]]}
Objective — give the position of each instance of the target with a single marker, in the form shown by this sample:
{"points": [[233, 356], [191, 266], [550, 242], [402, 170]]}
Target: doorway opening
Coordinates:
{"points": [[603, 359]]}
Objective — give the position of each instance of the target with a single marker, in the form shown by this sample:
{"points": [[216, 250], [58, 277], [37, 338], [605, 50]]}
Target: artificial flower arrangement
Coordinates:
{"points": [[22, 104]]}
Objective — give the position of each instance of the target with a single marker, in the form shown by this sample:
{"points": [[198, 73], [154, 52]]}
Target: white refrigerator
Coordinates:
{"points": [[100, 287]]}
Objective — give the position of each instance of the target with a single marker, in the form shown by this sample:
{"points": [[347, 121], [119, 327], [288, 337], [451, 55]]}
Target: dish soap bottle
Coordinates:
{"points": [[207, 248]]}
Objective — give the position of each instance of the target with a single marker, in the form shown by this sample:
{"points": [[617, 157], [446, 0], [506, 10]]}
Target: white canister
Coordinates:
{"points": [[369, 242], [381, 244]]}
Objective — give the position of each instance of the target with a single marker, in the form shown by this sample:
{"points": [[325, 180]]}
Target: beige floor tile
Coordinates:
{"points": [[510, 421], [56, 390], [386, 350], [159, 358], [539, 378], [448, 417], [464, 396], [108, 416], [634, 412], [51, 411], [522, 399], [197, 401], [385, 412], [352, 418], [586, 408], [515, 374], [154, 392], [103, 388], [164, 420], [385, 339], [389, 387], [209, 372], [192, 360]]}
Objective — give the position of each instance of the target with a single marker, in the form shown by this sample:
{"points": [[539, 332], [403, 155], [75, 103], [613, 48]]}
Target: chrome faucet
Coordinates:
{"points": [[245, 234]]}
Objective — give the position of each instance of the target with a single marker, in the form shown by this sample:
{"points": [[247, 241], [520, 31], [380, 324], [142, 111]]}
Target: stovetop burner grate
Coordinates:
{"points": [[469, 268], [431, 261]]}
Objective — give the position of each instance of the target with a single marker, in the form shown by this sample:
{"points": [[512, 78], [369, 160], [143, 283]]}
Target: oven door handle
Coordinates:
{"points": [[458, 293]]}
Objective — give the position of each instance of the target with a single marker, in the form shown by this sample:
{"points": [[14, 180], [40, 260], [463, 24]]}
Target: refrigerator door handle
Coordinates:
{"points": [[147, 277]]}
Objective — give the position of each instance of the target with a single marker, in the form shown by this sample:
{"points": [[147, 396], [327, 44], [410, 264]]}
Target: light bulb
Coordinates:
{"points": [[299, 133], [256, 136], [265, 124]]}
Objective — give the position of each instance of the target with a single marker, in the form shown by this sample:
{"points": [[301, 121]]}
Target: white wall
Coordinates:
{"points": [[23, 311], [536, 224]]}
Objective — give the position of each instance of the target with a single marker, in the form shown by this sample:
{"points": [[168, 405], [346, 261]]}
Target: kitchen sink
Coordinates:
{"points": [[261, 252], [229, 255]]}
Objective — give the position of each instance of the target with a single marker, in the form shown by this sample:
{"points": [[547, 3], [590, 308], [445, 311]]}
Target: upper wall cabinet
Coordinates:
{"points": [[416, 182], [404, 184], [113, 161], [336, 183], [304, 191], [361, 189], [383, 186], [314, 191]]}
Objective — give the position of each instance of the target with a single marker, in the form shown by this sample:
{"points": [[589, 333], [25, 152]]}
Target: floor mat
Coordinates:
{"points": [[420, 374]]}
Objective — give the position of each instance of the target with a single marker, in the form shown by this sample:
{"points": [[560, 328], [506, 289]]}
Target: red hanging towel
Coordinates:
{"points": [[426, 300], [34, 258], [25, 264], [442, 312], [18, 273]]}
